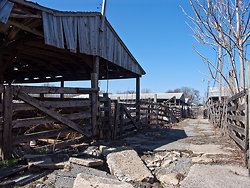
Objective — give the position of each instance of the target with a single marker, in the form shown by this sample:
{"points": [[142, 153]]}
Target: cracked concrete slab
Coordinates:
{"points": [[216, 176]]}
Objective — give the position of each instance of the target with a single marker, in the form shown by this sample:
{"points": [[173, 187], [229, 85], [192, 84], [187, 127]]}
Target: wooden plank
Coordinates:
{"points": [[236, 139], [6, 172], [27, 122], [64, 144], [26, 28], [242, 107], [237, 128], [148, 114], [53, 105], [237, 96], [7, 124], [132, 111], [232, 108], [128, 127], [117, 116], [38, 135], [53, 90], [129, 116], [236, 118], [130, 105], [40, 105]]}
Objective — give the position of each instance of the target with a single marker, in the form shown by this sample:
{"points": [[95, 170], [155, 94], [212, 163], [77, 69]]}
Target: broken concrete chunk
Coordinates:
{"points": [[201, 160], [166, 163], [88, 181], [126, 165], [91, 162], [168, 179]]}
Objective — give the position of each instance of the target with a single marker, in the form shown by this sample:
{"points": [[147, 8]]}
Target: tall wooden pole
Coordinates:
{"points": [[94, 96], [138, 100], [247, 126]]}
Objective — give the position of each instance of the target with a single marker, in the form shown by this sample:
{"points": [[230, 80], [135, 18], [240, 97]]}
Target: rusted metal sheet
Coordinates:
{"points": [[5, 9]]}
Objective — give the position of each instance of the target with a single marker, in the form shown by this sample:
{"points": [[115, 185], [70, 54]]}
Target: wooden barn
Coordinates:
{"points": [[37, 45]]}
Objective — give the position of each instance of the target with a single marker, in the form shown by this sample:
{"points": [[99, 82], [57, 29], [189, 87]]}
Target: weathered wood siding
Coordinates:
{"points": [[85, 31], [5, 9]]}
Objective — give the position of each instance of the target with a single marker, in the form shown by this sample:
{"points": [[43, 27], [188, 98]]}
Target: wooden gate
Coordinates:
{"points": [[157, 113], [38, 113]]}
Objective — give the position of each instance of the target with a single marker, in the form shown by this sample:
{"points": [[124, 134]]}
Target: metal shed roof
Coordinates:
{"points": [[73, 35]]}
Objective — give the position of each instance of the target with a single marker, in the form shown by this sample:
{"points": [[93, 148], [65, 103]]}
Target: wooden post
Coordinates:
{"points": [[94, 96], [248, 112], [62, 85], [7, 123], [138, 111], [155, 98], [119, 99]]}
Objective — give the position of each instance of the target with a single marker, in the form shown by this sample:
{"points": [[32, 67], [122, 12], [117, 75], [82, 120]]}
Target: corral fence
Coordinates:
{"points": [[38, 113], [52, 118], [232, 117]]}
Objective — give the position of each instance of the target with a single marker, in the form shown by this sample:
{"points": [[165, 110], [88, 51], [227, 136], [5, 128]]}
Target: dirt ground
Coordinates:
{"points": [[169, 153]]}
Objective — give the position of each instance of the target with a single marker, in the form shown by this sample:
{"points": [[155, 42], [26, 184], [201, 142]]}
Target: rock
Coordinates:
{"points": [[176, 153], [127, 165], [91, 162], [88, 181], [168, 179], [65, 179], [201, 160], [93, 150], [166, 163], [174, 159]]}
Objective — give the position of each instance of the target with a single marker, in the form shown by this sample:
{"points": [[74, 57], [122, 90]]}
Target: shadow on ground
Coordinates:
{"points": [[151, 138]]}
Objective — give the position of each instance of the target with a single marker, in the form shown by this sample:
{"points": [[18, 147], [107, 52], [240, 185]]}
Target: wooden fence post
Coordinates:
{"points": [[248, 93], [7, 123]]}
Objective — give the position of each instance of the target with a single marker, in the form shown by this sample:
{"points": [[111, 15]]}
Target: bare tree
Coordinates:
{"points": [[224, 25], [192, 94]]}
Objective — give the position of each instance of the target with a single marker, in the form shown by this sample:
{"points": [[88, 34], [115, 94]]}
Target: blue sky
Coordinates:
{"points": [[156, 34]]}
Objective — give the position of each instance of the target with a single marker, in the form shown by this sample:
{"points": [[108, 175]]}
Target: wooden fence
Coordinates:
{"points": [[232, 117], [53, 118], [237, 119], [39, 113], [158, 113]]}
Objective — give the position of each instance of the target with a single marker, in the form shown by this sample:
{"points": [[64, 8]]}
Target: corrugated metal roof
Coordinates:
{"points": [[214, 92], [126, 96]]}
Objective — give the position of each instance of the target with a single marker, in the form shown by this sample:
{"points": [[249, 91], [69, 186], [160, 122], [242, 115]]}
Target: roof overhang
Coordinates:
{"points": [[39, 44]]}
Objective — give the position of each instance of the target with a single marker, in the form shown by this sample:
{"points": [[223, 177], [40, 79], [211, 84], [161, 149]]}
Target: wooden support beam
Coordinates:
{"points": [[7, 124], [94, 96], [26, 28], [138, 101]]}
